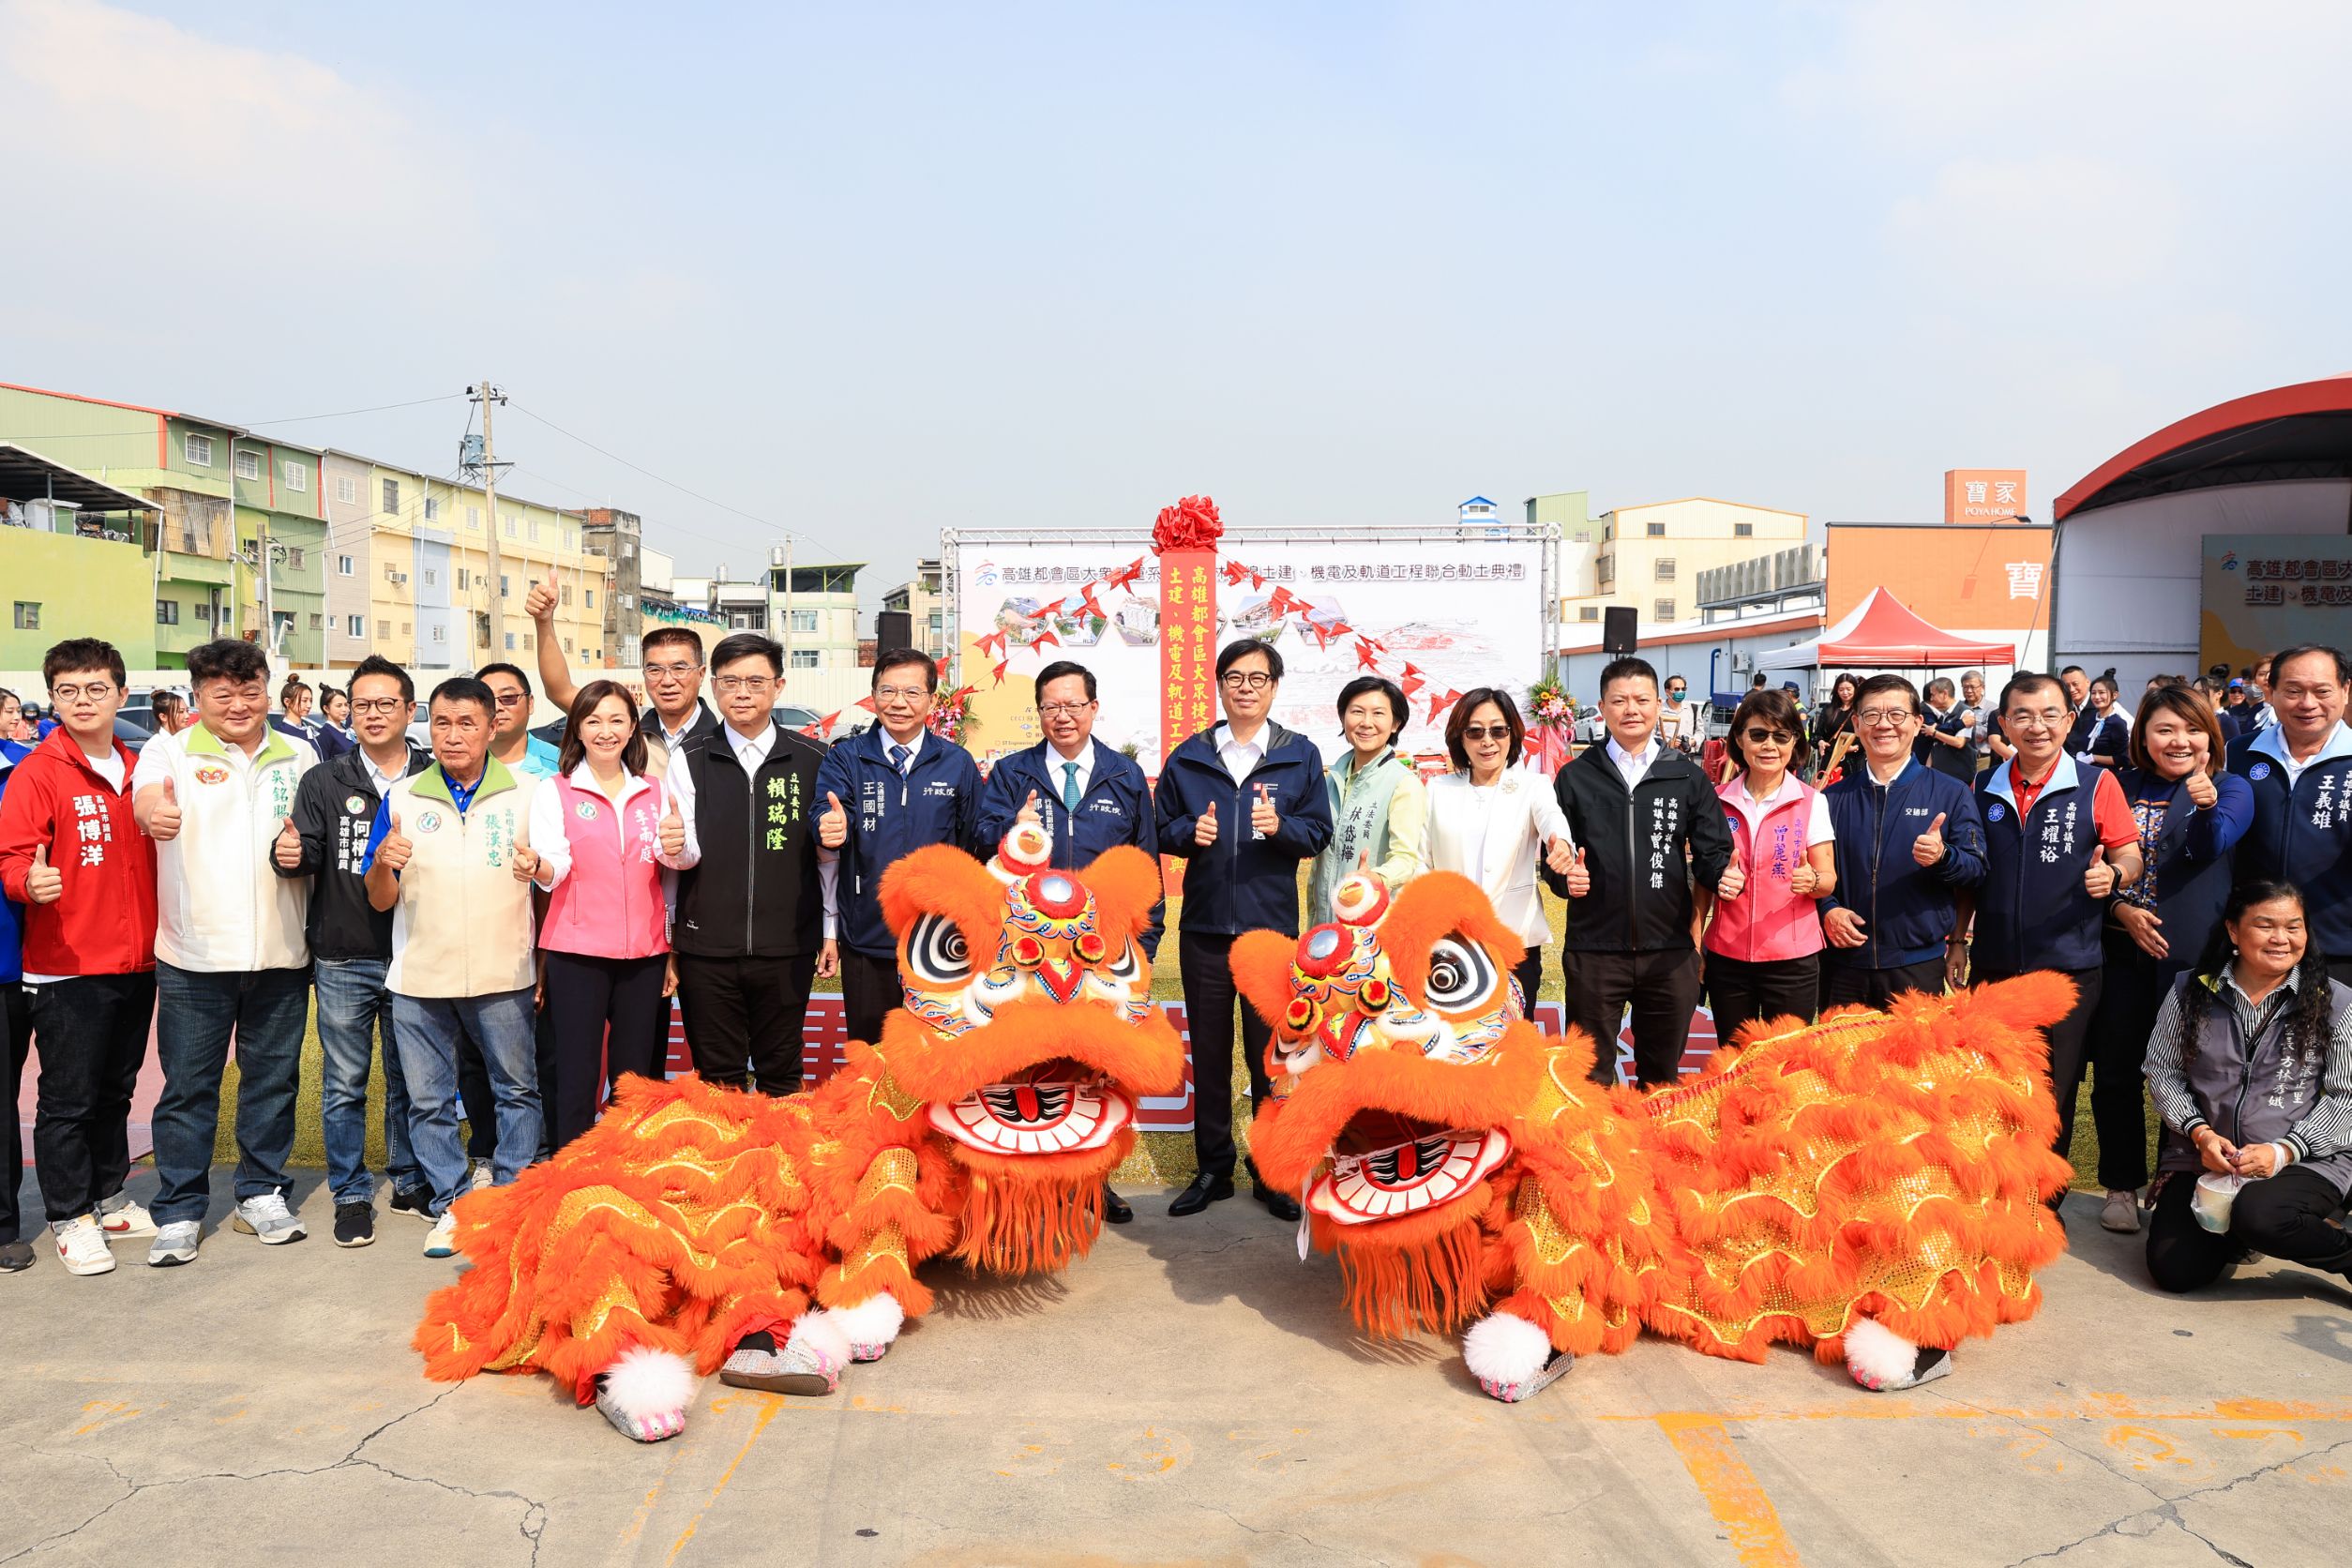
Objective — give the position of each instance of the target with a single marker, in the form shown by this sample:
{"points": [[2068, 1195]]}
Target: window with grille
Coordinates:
{"points": [[804, 658], [383, 631], [318, 623], [347, 490], [167, 612], [197, 449], [432, 509], [1656, 530], [391, 507], [1663, 609], [297, 477], [248, 465], [1662, 570], [1588, 613]]}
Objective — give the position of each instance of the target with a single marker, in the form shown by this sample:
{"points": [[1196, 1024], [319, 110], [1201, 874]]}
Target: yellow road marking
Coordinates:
{"points": [[770, 1404], [1733, 1494]]}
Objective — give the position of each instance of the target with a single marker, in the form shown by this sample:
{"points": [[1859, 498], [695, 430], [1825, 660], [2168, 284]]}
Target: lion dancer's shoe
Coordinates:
{"points": [[809, 1362], [1883, 1362], [1512, 1358], [646, 1393], [871, 1326]]}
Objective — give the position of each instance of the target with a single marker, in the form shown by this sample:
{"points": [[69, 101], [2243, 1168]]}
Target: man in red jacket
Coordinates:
{"points": [[72, 854]]}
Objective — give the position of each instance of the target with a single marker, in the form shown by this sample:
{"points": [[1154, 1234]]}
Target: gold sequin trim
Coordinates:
{"points": [[892, 1168]]}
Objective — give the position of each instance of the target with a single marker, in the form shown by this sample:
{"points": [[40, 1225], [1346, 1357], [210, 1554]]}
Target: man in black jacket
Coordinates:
{"points": [[351, 945], [751, 915], [1646, 824]]}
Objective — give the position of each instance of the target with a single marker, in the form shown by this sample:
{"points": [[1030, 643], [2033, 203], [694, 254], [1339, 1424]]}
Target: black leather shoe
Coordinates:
{"points": [[1205, 1189], [1115, 1208], [1279, 1204]]}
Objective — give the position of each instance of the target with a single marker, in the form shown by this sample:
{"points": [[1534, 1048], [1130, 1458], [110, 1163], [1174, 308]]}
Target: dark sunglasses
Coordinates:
{"points": [[1486, 732], [1766, 737]]}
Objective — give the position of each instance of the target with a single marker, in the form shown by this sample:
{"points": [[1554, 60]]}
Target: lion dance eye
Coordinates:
{"points": [[1462, 977], [936, 953]]}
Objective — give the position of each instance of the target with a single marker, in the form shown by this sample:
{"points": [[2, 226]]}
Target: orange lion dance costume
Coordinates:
{"points": [[1873, 1185], [696, 1227]]}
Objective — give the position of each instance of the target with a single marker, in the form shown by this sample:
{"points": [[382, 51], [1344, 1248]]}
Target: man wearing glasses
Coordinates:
{"points": [[1908, 841], [1086, 797], [1243, 803], [2059, 840], [670, 657], [880, 796], [749, 912]]}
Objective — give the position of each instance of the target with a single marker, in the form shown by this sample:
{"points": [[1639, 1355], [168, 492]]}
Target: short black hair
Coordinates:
{"points": [[1942, 683], [465, 688], [376, 664], [1627, 669], [1364, 684], [227, 658], [500, 668], [900, 659], [1061, 670], [2064, 671], [1877, 683], [2033, 680], [83, 652], [662, 635], [1241, 648], [2285, 656], [749, 644]]}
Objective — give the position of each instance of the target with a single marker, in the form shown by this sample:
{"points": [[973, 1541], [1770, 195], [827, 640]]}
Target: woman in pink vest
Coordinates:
{"points": [[601, 827], [1764, 942]]}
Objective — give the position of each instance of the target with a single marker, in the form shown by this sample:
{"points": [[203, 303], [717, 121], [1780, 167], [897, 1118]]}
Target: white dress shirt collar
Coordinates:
{"points": [[1633, 765], [751, 750]]}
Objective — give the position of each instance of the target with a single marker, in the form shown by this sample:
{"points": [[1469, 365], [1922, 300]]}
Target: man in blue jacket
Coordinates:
{"points": [[1086, 797], [1243, 803], [1908, 840], [2301, 767], [886, 794]]}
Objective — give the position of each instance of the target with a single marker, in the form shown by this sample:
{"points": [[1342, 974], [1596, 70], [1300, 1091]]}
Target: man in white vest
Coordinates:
{"points": [[451, 858], [230, 956]]}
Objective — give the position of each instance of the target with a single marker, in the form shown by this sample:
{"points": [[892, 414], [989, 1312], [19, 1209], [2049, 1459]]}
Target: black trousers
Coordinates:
{"points": [[1530, 974], [869, 989], [2282, 1216], [92, 1036], [2130, 993], [1204, 964], [1850, 986], [2070, 1038], [746, 1018], [1661, 989], [16, 1014], [607, 1017], [1739, 991]]}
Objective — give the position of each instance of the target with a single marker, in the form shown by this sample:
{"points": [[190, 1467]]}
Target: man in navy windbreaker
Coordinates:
{"points": [[886, 794], [1086, 797], [2301, 767], [1242, 803], [1908, 840]]}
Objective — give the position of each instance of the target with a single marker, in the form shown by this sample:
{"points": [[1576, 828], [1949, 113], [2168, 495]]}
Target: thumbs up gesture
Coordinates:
{"points": [[392, 854], [1558, 856], [833, 823], [1928, 848], [1580, 876], [539, 604], [526, 864], [44, 883], [1028, 813], [1205, 827], [163, 821], [672, 831], [1803, 879], [288, 849], [2202, 794], [1262, 814], [1734, 880], [2099, 879]]}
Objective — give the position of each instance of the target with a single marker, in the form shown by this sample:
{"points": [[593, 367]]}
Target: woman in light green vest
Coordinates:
{"points": [[1378, 801]]}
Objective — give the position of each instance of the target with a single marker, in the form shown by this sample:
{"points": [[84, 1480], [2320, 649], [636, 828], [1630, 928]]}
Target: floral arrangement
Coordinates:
{"points": [[1192, 523], [949, 712], [1549, 704]]}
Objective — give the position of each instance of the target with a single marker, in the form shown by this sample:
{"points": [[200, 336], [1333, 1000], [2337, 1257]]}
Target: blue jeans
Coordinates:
{"points": [[354, 1012], [196, 1013], [427, 1030]]}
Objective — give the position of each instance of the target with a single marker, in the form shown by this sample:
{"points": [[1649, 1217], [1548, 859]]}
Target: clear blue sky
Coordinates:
{"points": [[864, 271]]}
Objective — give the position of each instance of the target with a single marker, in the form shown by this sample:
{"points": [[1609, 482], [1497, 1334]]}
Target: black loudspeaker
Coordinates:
{"points": [[1617, 630], [894, 629]]}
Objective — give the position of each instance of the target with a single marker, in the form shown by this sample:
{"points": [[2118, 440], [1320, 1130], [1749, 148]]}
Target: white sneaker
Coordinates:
{"points": [[82, 1247], [481, 1174], [122, 1218], [266, 1214], [174, 1243], [442, 1241]]}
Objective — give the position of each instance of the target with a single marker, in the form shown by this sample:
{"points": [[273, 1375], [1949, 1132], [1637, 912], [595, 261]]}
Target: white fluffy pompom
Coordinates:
{"points": [[819, 1331], [875, 1320], [1502, 1348], [1877, 1355], [646, 1382]]}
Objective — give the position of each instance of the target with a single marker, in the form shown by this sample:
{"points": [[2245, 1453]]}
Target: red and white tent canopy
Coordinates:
{"points": [[1883, 632]]}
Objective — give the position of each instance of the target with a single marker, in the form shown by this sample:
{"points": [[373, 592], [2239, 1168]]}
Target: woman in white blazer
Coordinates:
{"points": [[1491, 820]]}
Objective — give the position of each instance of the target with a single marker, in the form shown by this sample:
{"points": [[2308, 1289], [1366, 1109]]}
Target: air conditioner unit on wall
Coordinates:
{"points": [[1742, 663]]}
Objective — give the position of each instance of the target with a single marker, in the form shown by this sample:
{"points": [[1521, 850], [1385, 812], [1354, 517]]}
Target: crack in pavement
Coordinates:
{"points": [[533, 1524], [2168, 1510], [1302, 1539]]}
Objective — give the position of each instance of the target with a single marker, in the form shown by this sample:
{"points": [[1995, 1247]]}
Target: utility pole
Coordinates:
{"points": [[489, 396]]}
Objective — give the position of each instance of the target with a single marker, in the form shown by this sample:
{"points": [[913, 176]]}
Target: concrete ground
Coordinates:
{"points": [[1192, 1392]]}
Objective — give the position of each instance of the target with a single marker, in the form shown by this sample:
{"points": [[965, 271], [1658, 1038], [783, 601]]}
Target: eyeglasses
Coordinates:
{"points": [[743, 682], [96, 691], [2047, 719], [901, 693], [1766, 737], [1884, 719], [511, 699], [377, 705], [1057, 709], [1247, 679], [669, 672], [1486, 732]]}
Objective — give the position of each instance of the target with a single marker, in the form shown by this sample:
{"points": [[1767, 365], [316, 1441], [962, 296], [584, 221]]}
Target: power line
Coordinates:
{"points": [[347, 413], [249, 425]]}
